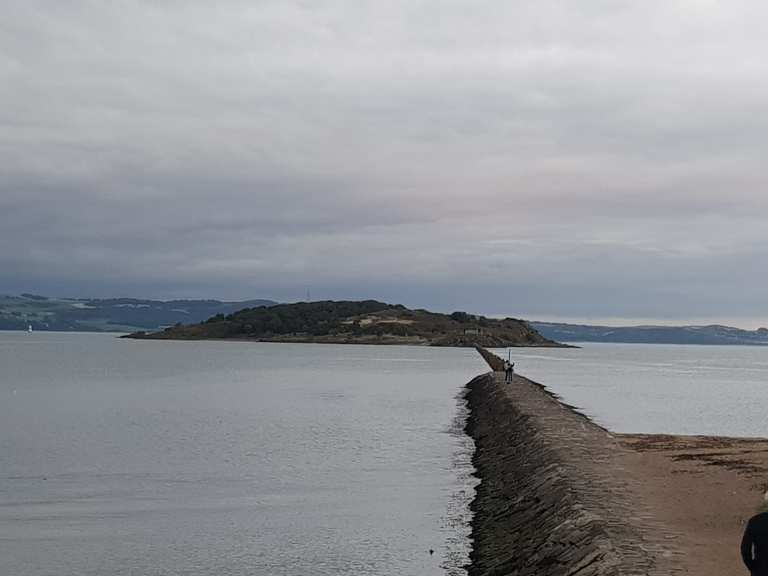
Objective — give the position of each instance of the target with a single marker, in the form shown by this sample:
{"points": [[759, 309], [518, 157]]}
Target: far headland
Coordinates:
{"points": [[365, 322]]}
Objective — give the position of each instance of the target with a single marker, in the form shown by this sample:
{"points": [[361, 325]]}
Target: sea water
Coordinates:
{"points": [[127, 457], [124, 457], [658, 388]]}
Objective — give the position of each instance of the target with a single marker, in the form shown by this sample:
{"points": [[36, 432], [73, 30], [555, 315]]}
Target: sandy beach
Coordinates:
{"points": [[703, 488]]}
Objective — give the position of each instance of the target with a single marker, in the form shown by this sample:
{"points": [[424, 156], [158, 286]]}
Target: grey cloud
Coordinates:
{"points": [[546, 158]]}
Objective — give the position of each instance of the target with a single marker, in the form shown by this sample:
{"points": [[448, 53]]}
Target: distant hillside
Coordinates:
{"points": [[110, 315], [714, 334], [367, 322]]}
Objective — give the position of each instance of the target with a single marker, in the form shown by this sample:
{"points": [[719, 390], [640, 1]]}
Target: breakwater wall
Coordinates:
{"points": [[552, 500]]}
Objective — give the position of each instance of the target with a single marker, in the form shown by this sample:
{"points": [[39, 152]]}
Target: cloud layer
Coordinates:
{"points": [[549, 158]]}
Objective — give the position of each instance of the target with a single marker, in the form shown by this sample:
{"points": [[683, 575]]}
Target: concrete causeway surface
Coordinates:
{"points": [[554, 498]]}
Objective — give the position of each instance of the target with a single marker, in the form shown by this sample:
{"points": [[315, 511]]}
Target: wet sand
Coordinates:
{"points": [[703, 488]]}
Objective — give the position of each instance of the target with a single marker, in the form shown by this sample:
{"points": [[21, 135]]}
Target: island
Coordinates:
{"points": [[353, 322]]}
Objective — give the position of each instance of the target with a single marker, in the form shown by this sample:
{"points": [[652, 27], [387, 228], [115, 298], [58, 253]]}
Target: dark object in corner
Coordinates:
{"points": [[754, 545]]}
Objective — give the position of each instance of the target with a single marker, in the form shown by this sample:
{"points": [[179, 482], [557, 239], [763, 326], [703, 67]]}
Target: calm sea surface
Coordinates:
{"points": [[121, 457], [654, 388]]}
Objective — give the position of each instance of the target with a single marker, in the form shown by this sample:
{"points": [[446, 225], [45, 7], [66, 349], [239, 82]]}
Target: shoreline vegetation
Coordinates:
{"points": [[130, 315], [364, 322], [560, 495]]}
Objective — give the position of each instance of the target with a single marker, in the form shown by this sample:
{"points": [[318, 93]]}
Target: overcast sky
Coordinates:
{"points": [[546, 159]]}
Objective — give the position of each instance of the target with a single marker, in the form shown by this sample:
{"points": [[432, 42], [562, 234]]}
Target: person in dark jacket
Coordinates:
{"points": [[754, 545]]}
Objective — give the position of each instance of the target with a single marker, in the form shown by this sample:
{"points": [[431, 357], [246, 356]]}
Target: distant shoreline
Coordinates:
{"points": [[374, 341], [358, 322], [713, 334]]}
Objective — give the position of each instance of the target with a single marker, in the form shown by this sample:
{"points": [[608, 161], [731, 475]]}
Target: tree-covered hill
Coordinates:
{"points": [[364, 322]]}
